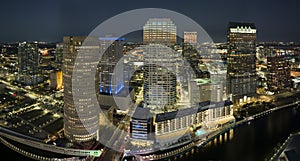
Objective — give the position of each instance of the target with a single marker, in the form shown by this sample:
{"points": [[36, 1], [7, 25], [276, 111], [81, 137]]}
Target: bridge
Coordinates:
{"points": [[32, 142]]}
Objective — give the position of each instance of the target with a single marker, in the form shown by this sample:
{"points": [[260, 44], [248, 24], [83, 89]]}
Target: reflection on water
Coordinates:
{"points": [[255, 141], [225, 137], [221, 139], [215, 141], [231, 134]]}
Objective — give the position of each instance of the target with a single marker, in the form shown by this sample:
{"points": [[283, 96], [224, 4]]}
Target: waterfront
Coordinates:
{"points": [[255, 141], [12, 155]]}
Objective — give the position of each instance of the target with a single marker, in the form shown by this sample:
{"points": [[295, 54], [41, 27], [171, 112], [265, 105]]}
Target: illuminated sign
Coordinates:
{"points": [[244, 30]]}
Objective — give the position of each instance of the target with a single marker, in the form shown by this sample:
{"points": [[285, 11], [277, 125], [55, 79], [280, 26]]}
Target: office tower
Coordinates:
{"points": [[111, 76], [56, 81], [190, 37], [160, 77], [159, 31], [241, 69], [59, 56], [29, 72], [278, 73], [81, 117]]}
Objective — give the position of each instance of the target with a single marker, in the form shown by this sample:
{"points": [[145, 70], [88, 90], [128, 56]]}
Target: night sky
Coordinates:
{"points": [[50, 20]]}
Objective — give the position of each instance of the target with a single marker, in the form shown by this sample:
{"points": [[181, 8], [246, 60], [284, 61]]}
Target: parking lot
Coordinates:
{"points": [[38, 120]]}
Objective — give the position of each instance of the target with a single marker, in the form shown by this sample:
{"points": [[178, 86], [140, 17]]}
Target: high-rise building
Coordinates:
{"points": [[81, 117], [190, 37], [241, 71], [111, 76], [112, 90], [160, 65], [160, 78], [276, 60], [56, 80], [159, 31], [59, 56], [29, 72], [278, 73]]}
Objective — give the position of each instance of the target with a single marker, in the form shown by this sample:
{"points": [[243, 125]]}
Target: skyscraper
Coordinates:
{"points": [[278, 73], [160, 31], [160, 64], [58, 56], [29, 72], [81, 117], [160, 77], [111, 78], [190, 37], [241, 59]]}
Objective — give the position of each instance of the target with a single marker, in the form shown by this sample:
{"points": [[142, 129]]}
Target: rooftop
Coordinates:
{"points": [[142, 113], [241, 24], [202, 106]]}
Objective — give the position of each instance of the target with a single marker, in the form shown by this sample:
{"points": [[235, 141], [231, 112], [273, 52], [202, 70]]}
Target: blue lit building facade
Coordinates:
{"points": [[141, 126], [111, 79]]}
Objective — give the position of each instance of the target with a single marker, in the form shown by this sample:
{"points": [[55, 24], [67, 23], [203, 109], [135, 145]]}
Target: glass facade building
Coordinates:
{"points": [[159, 31], [29, 71], [141, 126], [160, 78], [81, 117], [111, 78], [278, 73], [241, 60]]}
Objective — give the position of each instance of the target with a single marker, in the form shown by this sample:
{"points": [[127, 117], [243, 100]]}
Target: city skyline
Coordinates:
{"points": [[173, 94]]}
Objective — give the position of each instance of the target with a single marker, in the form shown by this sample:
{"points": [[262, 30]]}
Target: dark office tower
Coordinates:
{"points": [[111, 75], [29, 72], [81, 117], [159, 31], [59, 56], [278, 73], [241, 59]]}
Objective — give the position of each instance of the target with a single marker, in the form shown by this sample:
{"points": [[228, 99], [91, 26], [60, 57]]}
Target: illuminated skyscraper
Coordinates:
{"points": [[278, 73], [241, 59], [81, 117], [29, 72], [160, 64], [111, 78], [160, 77], [190, 37], [159, 31], [56, 80]]}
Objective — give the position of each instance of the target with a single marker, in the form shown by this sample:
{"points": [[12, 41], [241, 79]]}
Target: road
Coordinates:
{"points": [[117, 140]]}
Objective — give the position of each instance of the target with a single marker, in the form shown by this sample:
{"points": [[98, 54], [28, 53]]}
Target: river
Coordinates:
{"points": [[250, 142]]}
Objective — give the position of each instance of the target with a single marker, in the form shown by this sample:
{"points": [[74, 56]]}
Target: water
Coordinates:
{"points": [[8, 154], [254, 142]]}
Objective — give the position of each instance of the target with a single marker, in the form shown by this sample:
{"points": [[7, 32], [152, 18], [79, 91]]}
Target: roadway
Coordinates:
{"points": [[26, 140], [31, 94], [117, 141]]}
